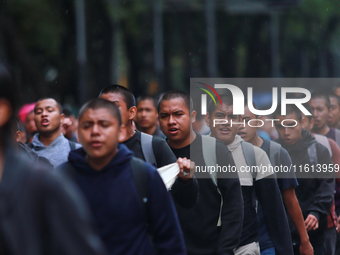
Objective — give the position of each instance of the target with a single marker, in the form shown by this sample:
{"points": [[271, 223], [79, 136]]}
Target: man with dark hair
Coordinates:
{"points": [[126, 208], [41, 213], [70, 126], [259, 183], [153, 150], [147, 116], [286, 181], [316, 189], [214, 225], [334, 113], [49, 142], [321, 105]]}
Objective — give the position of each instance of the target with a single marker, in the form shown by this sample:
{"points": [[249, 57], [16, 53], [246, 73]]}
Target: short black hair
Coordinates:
{"points": [[99, 103], [147, 97], [173, 94], [60, 108], [336, 97], [290, 109], [128, 96], [67, 112], [322, 96], [226, 98]]}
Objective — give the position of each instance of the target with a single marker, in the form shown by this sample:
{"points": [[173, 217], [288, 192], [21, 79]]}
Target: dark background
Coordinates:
{"points": [[71, 49]]}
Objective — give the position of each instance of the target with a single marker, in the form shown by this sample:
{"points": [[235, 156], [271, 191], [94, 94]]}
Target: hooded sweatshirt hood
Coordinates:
{"points": [[237, 141], [78, 159], [306, 140]]}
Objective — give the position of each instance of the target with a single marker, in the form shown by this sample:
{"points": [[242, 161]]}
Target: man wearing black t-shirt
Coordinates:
{"points": [[209, 228], [185, 188]]}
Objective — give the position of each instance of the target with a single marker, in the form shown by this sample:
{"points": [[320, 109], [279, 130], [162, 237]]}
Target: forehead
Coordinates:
{"points": [[174, 104], [97, 114], [334, 101], [46, 103], [291, 116], [113, 97], [226, 109], [146, 103], [248, 113]]}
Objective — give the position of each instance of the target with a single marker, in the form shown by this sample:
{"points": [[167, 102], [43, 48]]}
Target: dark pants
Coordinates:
{"points": [[330, 241], [317, 243]]}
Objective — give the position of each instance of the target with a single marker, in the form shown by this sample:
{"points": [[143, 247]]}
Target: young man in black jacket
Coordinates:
{"points": [[185, 188], [314, 170], [211, 227]]}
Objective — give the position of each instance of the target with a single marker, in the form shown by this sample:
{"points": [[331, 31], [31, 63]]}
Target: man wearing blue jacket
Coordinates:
{"points": [[104, 172]]}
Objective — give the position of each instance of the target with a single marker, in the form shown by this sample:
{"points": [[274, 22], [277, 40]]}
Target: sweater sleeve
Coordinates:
{"points": [[164, 224], [232, 207], [324, 195], [269, 196]]}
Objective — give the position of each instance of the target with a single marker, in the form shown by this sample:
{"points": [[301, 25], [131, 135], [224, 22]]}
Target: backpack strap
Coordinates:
{"points": [[249, 155], [312, 154], [209, 155], [210, 159], [274, 153], [324, 141], [146, 143], [30, 145], [142, 182], [337, 137], [72, 145]]}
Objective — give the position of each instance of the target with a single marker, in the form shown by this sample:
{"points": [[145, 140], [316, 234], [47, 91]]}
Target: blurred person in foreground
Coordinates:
{"points": [[40, 213]]}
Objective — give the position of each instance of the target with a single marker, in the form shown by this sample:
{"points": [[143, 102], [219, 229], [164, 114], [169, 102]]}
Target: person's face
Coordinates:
{"points": [[247, 132], [337, 91], [289, 135], [175, 121], [320, 112], [30, 124], [146, 114], [47, 117], [98, 133], [118, 99], [334, 113], [223, 132]]}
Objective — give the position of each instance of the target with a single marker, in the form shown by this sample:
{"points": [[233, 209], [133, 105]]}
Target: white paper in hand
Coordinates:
{"points": [[169, 174]]}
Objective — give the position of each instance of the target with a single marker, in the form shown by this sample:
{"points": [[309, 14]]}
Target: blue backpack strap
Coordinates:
{"points": [[146, 143], [142, 183]]}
